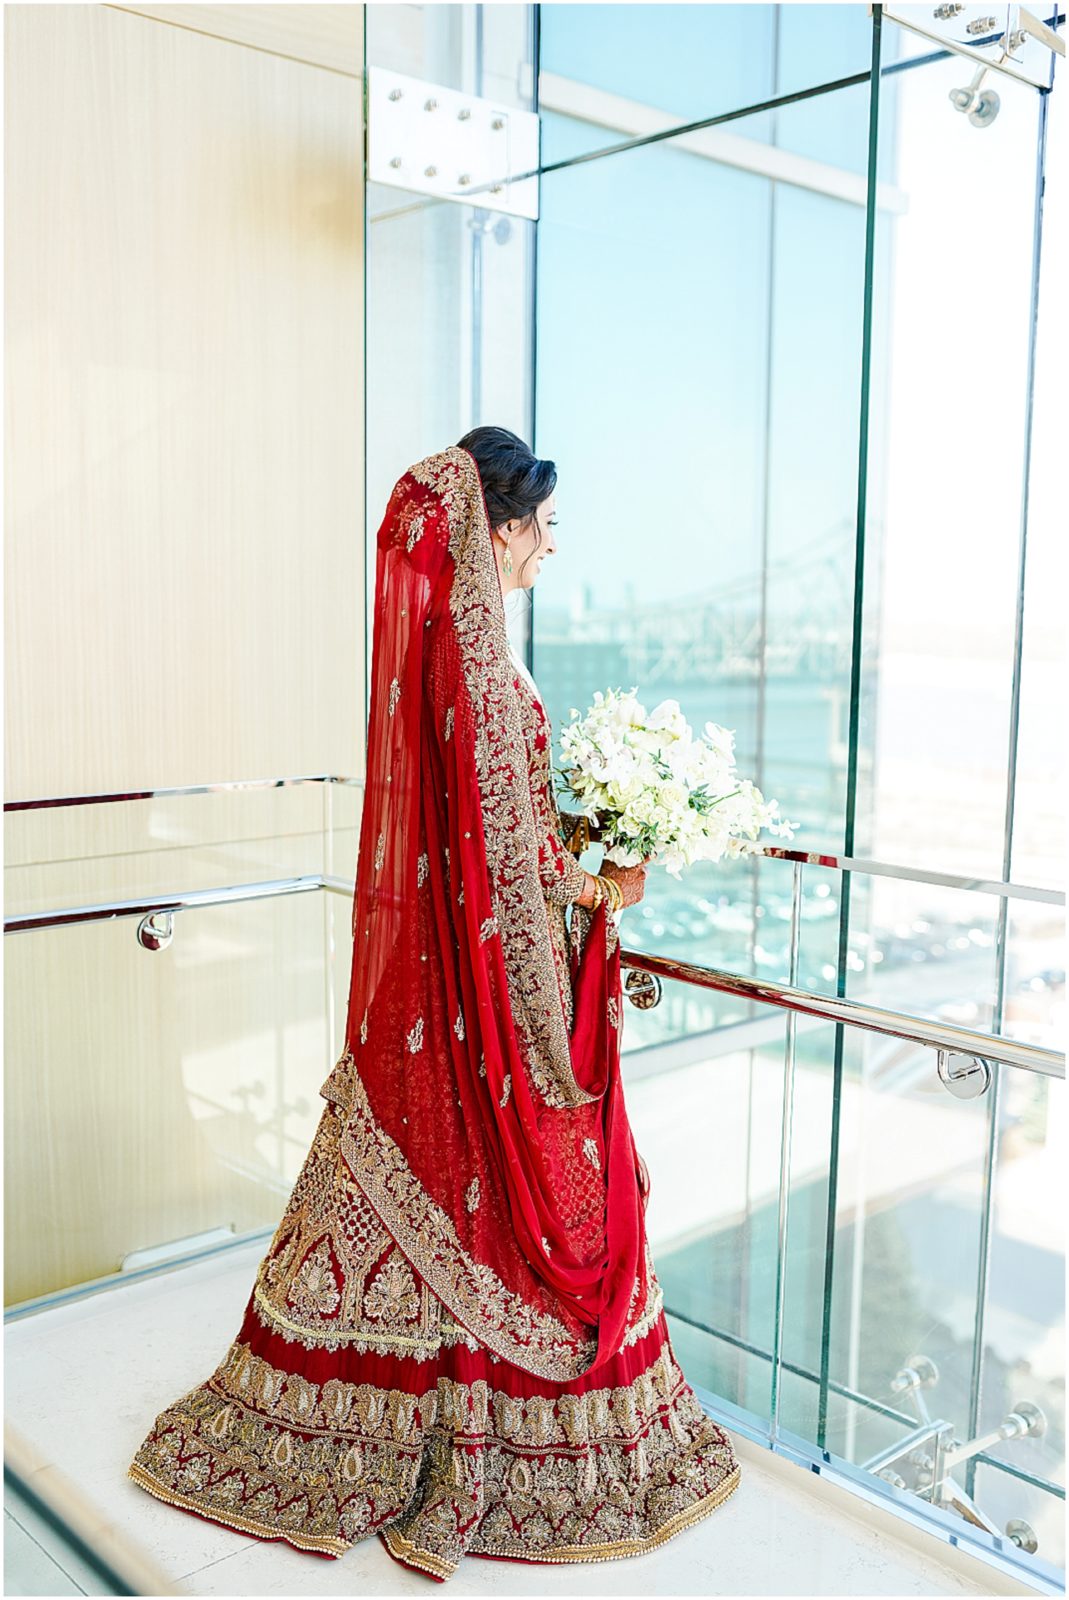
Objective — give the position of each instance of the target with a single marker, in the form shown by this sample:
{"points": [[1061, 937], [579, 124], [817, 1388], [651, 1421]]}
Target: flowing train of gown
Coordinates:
{"points": [[352, 1403]]}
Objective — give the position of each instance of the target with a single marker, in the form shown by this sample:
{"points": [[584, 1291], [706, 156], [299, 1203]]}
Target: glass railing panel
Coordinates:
{"points": [[63, 856], [1023, 1333], [924, 1268], [903, 1229], [1033, 1515], [1034, 998], [162, 1096], [706, 1123], [731, 915], [922, 948]]}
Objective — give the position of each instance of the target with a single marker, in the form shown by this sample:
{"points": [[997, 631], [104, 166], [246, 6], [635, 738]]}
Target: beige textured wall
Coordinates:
{"points": [[184, 603]]}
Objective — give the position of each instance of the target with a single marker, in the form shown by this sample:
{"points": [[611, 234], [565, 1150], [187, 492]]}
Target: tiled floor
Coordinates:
{"points": [[84, 1381]]}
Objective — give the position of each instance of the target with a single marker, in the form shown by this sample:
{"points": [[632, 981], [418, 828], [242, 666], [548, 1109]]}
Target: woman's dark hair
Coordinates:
{"points": [[515, 482]]}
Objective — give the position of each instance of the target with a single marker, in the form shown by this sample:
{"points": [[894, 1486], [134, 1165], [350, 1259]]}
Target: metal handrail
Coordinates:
{"points": [[48, 802], [944, 880], [830, 1008], [875, 1019], [185, 900], [855, 1013]]}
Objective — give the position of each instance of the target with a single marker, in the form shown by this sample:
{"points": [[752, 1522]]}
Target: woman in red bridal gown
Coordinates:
{"points": [[456, 1338]]}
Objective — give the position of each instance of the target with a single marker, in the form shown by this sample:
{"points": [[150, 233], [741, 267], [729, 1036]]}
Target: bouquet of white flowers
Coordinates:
{"points": [[658, 792]]}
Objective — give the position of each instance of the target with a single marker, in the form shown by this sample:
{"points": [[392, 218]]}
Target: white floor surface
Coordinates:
{"points": [[85, 1380]]}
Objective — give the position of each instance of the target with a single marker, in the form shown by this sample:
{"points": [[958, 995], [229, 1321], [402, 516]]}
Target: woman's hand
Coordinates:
{"points": [[632, 880]]}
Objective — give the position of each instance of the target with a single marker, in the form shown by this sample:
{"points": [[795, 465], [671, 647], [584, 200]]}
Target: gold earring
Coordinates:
{"points": [[506, 559]]}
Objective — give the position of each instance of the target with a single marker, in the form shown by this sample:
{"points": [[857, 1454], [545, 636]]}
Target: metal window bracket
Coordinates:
{"points": [[434, 140], [1008, 39]]}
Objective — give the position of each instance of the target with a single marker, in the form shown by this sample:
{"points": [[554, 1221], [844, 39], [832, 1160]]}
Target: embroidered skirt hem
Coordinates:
{"points": [[464, 1455]]}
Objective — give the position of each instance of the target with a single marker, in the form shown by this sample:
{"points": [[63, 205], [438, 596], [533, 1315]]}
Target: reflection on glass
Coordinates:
{"points": [[1033, 1006], [925, 950], [479, 49], [901, 1287], [1024, 1322], [610, 72], [114, 1146], [430, 365], [702, 1128], [707, 500], [948, 459]]}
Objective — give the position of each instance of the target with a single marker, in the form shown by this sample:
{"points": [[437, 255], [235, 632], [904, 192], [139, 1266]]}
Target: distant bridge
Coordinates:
{"points": [[716, 634]]}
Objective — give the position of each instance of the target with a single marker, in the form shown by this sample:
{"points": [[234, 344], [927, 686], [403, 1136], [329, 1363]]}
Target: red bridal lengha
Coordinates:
{"points": [[456, 1339]]}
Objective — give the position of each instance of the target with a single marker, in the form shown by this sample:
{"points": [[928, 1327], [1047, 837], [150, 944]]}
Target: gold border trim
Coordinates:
{"points": [[379, 1168], [621, 1548], [145, 1480], [349, 1337], [410, 1554], [477, 609]]}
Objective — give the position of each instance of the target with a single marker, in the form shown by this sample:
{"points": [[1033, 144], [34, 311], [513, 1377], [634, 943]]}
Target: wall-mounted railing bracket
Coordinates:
{"points": [[156, 931], [643, 989], [967, 1077]]}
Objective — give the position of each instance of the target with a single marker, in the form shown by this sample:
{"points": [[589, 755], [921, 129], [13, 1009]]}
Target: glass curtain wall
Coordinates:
{"points": [[794, 468], [792, 368]]}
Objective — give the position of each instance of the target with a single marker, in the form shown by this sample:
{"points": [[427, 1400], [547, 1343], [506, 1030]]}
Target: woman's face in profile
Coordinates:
{"points": [[530, 546]]}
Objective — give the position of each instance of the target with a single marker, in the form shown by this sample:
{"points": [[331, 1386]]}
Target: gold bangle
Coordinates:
{"points": [[612, 891]]}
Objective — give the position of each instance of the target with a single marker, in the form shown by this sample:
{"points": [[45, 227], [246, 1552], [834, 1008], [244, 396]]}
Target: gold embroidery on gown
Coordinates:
{"points": [[398, 1420], [456, 1455], [429, 1439]]}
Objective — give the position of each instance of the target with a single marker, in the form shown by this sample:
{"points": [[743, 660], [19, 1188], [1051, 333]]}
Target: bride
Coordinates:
{"points": [[456, 1339]]}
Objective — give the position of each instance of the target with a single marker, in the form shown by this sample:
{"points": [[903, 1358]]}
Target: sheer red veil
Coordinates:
{"points": [[459, 1059]]}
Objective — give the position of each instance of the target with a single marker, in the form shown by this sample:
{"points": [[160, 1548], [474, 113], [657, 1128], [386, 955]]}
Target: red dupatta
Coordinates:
{"points": [[460, 1068]]}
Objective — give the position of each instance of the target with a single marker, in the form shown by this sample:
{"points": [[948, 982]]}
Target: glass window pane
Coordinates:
{"points": [[482, 49], [707, 491], [946, 472], [604, 66], [817, 44], [1039, 795]]}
